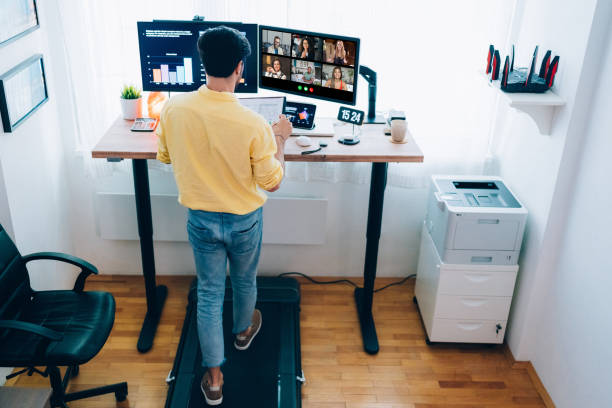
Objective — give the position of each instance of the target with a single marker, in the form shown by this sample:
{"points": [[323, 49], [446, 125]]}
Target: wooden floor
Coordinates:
{"points": [[405, 373]]}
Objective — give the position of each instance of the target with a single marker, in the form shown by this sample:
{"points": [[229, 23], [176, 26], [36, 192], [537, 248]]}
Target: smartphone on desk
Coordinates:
{"points": [[301, 115]]}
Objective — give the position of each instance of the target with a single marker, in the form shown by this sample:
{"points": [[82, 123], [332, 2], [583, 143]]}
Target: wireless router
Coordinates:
{"points": [[522, 79]]}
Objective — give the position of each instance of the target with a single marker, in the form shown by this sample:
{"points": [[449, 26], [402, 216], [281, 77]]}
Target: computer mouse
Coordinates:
{"points": [[303, 141]]}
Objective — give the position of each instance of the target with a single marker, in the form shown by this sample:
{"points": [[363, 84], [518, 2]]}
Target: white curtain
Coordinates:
{"points": [[429, 57]]}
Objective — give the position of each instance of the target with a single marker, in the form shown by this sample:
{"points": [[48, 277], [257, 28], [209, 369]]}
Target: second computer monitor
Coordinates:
{"points": [[310, 64]]}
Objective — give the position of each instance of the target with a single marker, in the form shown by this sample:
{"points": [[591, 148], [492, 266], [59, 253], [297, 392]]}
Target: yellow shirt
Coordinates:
{"points": [[220, 152]]}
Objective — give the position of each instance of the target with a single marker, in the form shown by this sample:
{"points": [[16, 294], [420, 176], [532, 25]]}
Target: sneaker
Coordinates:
{"points": [[243, 342], [213, 395]]}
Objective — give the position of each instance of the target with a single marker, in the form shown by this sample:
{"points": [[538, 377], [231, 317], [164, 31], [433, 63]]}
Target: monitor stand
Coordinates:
{"points": [[370, 76]]}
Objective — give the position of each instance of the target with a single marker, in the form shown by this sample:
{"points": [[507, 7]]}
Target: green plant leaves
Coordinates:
{"points": [[130, 92]]}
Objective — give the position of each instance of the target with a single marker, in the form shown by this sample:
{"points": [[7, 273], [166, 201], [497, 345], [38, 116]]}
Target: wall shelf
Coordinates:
{"points": [[540, 107]]}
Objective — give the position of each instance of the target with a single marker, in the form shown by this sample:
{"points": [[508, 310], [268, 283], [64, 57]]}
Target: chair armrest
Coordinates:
{"points": [[31, 328], [86, 268]]}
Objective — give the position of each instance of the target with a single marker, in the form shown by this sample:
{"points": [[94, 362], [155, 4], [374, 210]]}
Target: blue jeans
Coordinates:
{"points": [[215, 239]]}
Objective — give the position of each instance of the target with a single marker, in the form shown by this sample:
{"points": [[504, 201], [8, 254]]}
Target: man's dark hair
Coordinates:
{"points": [[221, 49]]}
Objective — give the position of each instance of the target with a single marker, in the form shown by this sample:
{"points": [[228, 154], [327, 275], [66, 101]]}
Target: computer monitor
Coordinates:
{"points": [[169, 58], [316, 65]]}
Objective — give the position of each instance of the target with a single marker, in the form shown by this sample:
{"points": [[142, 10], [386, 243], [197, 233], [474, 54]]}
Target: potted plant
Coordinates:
{"points": [[131, 105]]}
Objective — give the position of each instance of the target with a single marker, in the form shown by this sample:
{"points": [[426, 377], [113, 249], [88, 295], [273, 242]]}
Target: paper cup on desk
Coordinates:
{"points": [[398, 131]]}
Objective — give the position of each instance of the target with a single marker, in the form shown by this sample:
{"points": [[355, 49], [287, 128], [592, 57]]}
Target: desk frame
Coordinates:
{"points": [[156, 295], [141, 147], [365, 296]]}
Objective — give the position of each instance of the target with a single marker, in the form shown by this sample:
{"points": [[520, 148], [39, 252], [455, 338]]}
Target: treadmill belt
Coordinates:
{"points": [[244, 371], [263, 375]]}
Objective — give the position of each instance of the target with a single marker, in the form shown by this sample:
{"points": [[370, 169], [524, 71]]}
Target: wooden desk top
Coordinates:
{"points": [[120, 142]]}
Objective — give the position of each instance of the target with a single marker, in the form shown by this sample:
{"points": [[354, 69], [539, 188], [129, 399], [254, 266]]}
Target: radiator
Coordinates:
{"points": [[287, 220]]}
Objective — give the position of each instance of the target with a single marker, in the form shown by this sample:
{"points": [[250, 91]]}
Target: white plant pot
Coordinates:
{"points": [[131, 108]]}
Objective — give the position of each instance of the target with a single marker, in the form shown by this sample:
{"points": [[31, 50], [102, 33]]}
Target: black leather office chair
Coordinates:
{"points": [[53, 328]]}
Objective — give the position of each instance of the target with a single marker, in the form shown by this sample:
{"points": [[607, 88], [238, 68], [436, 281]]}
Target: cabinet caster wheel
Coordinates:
{"points": [[429, 343], [414, 300]]}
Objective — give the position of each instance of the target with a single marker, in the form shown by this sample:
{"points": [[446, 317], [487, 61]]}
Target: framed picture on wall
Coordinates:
{"points": [[23, 90], [17, 18]]}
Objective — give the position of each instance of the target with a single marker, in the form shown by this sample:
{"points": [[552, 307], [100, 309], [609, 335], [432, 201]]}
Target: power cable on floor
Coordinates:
{"points": [[400, 282]]}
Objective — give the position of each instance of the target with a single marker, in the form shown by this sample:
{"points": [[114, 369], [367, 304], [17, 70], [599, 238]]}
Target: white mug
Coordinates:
{"points": [[398, 130]]}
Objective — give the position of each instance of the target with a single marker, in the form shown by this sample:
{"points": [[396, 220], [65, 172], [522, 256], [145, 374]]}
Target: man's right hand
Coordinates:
{"points": [[282, 130], [283, 127]]}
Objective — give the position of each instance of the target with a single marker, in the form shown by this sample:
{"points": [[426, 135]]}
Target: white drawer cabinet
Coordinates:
{"points": [[468, 331], [462, 303], [470, 282]]}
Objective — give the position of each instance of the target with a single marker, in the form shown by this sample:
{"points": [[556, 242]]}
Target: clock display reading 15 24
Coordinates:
{"points": [[349, 115]]}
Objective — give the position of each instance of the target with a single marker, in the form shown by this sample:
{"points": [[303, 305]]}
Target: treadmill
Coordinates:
{"points": [[267, 374]]}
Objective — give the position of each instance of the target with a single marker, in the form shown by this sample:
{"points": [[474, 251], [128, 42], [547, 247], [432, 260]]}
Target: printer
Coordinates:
{"points": [[475, 220]]}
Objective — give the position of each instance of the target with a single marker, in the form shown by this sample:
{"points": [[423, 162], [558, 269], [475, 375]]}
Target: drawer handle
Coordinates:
{"points": [[474, 302], [488, 221], [477, 278], [482, 259], [469, 326]]}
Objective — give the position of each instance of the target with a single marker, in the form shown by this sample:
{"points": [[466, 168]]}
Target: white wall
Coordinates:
{"points": [[32, 160], [559, 318], [529, 161], [7, 223], [571, 342], [5, 212]]}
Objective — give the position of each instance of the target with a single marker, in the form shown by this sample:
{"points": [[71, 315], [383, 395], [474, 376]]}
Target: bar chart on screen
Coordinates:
{"points": [[170, 69]]}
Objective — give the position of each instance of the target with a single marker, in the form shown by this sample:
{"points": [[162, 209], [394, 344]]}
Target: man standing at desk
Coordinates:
{"points": [[221, 152]]}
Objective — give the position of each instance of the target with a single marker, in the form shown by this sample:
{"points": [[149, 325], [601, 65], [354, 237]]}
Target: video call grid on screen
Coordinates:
{"points": [[310, 64], [169, 58]]}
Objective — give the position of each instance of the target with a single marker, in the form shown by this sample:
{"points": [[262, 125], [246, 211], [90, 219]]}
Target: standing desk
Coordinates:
{"points": [[120, 143]]}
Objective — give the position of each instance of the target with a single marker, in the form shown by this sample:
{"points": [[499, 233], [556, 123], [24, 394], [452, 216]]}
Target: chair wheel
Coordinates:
{"points": [[121, 393]]}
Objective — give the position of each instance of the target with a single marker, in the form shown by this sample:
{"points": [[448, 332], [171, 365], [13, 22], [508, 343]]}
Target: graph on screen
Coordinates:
{"points": [[170, 61], [171, 69]]}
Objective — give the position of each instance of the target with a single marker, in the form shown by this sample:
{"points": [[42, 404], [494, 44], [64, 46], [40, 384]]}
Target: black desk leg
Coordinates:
{"points": [[156, 295], [363, 296]]}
